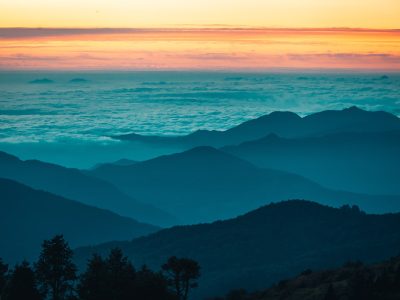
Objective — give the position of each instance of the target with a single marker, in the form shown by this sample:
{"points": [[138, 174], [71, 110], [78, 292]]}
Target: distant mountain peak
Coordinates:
{"points": [[203, 150], [211, 154], [284, 113], [200, 154], [302, 205], [285, 124], [275, 116], [354, 108], [299, 205], [347, 117], [357, 110], [273, 137]]}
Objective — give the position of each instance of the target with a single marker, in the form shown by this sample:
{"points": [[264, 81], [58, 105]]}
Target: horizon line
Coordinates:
{"points": [[210, 70], [205, 26], [108, 30]]}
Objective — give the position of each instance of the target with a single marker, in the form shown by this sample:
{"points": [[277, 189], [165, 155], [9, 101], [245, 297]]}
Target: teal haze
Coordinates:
{"points": [[67, 118]]}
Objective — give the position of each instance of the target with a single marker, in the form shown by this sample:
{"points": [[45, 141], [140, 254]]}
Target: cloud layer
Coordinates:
{"points": [[172, 103], [199, 48]]}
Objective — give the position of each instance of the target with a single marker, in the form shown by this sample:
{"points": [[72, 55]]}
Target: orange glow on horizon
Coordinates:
{"points": [[254, 49], [199, 34]]}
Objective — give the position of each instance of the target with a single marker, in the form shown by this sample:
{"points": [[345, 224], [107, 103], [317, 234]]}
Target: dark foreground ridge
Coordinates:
{"points": [[269, 244], [353, 281]]}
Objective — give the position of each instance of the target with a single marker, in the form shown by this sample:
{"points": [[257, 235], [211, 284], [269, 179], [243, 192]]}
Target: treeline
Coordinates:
{"points": [[353, 281], [54, 276]]}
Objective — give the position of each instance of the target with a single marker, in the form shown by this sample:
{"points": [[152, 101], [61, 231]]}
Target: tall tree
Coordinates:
{"points": [[152, 285], [22, 284], [93, 283], [121, 275], [112, 278], [182, 274], [55, 269]]}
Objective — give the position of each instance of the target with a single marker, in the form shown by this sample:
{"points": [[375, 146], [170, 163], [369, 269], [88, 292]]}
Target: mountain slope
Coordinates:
{"points": [[29, 216], [353, 280], [268, 244], [358, 162], [204, 184], [285, 124], [120, 162], [73, 184]]}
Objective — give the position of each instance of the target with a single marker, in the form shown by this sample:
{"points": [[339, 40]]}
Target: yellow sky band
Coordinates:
{"points": [[200, 13], [195, 48]]}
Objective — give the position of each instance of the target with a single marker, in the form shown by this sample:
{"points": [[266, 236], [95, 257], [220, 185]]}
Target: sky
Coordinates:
{"points": [[200, 34]]}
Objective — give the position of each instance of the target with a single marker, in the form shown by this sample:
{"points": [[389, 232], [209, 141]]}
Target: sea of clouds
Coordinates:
{"points": [[69, 108]]}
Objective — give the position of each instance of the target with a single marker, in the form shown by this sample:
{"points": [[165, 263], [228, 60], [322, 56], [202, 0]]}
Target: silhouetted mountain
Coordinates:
{"points": [[41, 81], [204, 184], [266, 245], [285, 124], [73, 184], [352, 281], [357, 162], [120, 162], [28, 216], [78, 80]]}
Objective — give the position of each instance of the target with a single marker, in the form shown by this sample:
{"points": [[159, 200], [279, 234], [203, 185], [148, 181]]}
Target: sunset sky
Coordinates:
{"points": [[200, 34]]}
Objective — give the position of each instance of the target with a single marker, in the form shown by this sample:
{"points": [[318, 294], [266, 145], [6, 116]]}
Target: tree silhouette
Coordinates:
{"points": [[55, 269], [94, 282], [22, 284], [182, 274], [115, 278], [151, 285], [112, 278], [3, 277], [121, 275]]}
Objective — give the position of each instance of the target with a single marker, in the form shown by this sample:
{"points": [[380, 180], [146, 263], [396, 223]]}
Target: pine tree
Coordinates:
{"points": [[55, 269], [121, 275], [94, 282], [22, 284]]}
